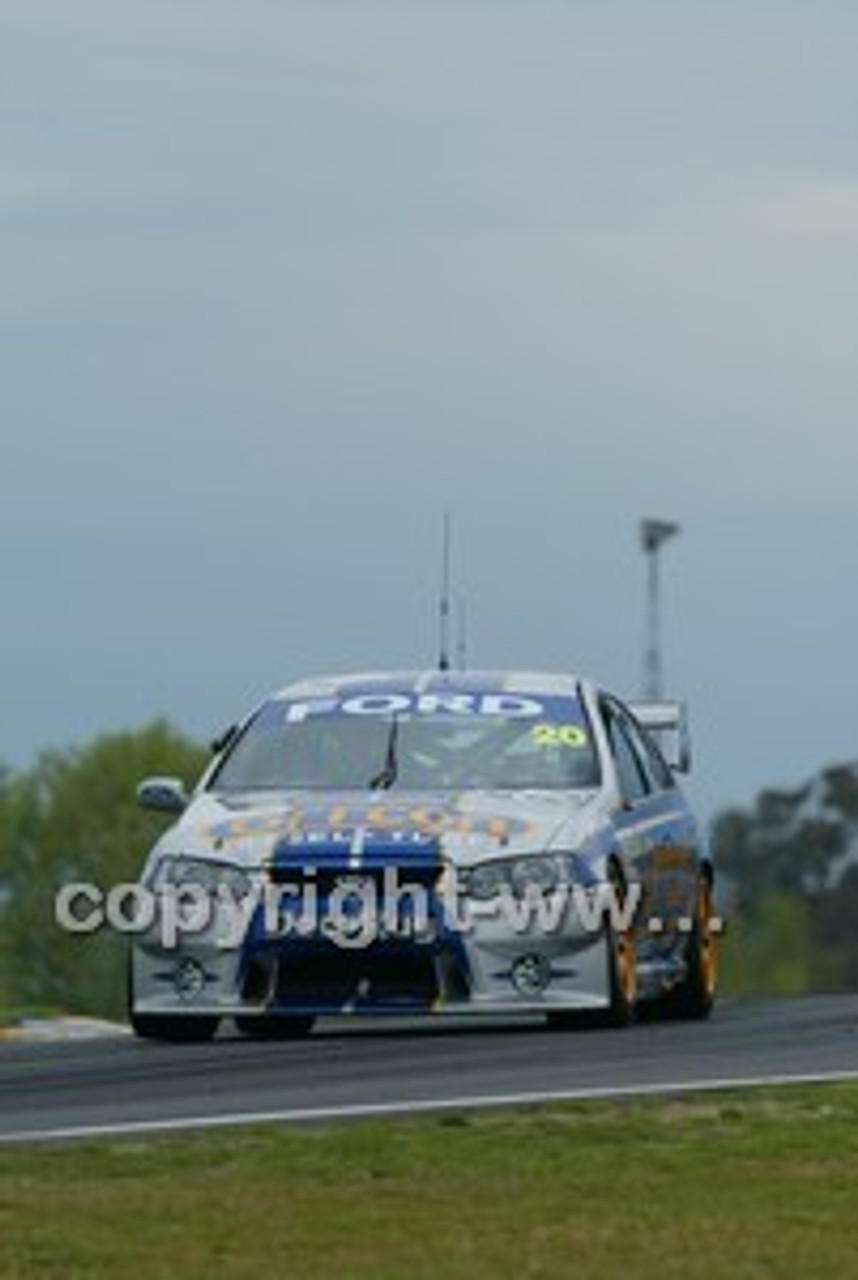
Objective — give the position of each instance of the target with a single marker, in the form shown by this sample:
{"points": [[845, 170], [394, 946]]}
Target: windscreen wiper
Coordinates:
{"points": [[385, 779]]}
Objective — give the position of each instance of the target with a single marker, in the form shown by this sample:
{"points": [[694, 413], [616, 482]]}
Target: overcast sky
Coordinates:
{"points": [[281, 282]]}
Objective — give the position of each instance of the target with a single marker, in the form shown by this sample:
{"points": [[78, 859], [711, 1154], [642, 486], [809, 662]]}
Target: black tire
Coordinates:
{"points": [[172, 1028], [694, 997], [275, 1027], [178, 1028]]}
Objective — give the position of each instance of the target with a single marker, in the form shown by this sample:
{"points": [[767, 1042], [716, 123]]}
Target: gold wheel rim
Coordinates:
{"points": [[624, 956], [627, 978]]}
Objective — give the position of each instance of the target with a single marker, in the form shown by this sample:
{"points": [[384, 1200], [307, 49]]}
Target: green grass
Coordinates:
{"points": [[734, 1185], [12, 1014]]}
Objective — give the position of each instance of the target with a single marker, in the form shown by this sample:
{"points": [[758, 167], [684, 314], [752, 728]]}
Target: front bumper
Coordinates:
{"points": [[486, 969], [427, 950]]}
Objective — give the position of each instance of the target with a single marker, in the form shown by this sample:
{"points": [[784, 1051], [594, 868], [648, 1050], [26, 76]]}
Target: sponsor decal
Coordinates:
{"points": [[509, 705], [339, 821]]}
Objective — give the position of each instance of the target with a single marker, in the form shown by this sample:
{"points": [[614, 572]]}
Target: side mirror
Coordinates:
{"points": [[164, 795]]}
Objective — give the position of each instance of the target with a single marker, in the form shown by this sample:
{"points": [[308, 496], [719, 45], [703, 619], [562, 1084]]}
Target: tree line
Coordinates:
{"points": [[791, 859], [73, 817]]}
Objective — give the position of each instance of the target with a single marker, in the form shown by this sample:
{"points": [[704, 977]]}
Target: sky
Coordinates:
{"points": [[283, 282]]}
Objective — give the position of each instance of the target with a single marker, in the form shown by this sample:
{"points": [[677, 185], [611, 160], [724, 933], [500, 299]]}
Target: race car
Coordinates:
{"points": [[428, 842]]}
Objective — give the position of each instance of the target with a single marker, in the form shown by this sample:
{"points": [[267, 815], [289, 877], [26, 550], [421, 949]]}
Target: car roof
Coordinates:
{"points": [[346, 685]]}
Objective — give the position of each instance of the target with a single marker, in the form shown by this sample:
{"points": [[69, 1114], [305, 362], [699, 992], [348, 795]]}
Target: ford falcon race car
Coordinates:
{"points": [[436, 842]]}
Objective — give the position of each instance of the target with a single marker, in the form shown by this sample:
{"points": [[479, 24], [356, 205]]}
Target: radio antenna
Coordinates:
{"points": [[444, 619], [461, 634]]}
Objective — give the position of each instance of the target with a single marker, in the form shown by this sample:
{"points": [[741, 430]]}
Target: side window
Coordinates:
{"points": [[634, 783]]}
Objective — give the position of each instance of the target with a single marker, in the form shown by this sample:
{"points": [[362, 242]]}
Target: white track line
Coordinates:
{"points": [[371, 1110]]}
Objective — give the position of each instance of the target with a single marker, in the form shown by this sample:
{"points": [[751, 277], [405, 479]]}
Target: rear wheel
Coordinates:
{"points": [[271, 1027], [694, 997]]}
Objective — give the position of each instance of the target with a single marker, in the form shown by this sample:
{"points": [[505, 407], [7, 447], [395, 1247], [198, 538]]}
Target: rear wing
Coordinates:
{"points": [[667, 721]]}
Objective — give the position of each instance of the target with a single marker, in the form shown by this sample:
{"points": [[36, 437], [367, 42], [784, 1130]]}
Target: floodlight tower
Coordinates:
{"points": [[653, 534]]}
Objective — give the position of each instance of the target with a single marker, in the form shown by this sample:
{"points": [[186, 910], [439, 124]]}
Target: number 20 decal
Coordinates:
{"points": [[563, 735]]}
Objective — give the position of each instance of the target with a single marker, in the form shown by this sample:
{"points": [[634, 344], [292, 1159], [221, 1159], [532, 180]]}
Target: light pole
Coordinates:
{"points": [[653, 534]]}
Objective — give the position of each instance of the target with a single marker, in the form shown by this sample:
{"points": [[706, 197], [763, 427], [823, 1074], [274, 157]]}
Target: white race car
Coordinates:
{"points": [[436, 842]]}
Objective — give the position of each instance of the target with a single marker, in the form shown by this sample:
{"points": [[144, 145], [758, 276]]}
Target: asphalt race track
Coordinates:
{"points": [[119, 1084]]}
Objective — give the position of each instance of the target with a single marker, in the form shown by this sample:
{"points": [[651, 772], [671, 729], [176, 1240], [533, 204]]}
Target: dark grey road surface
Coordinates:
{"points": [[119, 1083]]}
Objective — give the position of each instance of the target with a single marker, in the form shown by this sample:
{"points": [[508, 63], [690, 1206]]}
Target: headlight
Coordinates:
{"points": [[534, 873], [487, 880], [538, 872], [181, 872]]}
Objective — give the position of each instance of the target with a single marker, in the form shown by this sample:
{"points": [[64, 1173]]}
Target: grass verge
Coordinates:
{"points": [[734, 1185]]}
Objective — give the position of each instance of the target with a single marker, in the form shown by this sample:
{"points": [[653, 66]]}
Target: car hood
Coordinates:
{"points": [[253, 829]]}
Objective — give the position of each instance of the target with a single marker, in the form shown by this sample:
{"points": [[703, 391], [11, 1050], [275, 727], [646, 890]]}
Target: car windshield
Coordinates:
{"points": [[395, 745]]}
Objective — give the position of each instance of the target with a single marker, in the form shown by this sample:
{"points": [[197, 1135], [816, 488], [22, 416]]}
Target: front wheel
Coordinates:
{"points": [[622, 979], [174, 1028]]}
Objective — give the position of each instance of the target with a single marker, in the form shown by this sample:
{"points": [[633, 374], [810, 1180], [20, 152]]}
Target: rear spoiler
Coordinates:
{"points": [[663, 718]]}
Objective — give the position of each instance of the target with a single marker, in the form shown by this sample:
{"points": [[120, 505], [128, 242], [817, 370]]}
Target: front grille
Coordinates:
{"points": [[395, 970], [320, 975]]}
